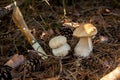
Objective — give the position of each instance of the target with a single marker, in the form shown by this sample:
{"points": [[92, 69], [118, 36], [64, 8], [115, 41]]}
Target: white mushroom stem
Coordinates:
{"points": [[61, 51], [84, 47]]}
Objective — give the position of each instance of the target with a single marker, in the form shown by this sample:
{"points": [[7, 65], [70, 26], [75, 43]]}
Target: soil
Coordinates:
{"points": [[46, 21]]}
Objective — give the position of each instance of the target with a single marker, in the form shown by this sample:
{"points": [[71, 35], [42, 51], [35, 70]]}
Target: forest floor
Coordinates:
{"points": [[46, 21]]}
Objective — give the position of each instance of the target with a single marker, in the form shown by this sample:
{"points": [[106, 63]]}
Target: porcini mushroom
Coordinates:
{"points": [[59, 46], [85, 32]]}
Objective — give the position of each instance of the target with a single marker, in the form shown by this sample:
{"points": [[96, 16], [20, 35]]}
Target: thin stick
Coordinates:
{"points": [[39, 24], [64, 7], [60, 72]]}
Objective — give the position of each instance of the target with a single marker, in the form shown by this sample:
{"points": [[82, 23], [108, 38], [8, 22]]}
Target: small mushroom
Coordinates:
{"points": [[85, 32], [59, 46]]}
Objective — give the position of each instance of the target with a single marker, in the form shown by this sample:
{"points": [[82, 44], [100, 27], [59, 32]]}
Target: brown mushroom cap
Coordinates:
{"points": [[85, 30], [57, 41]]}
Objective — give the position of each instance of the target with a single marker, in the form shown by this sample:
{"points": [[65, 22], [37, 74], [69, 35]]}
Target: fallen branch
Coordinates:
{"points": [[113, 75]]}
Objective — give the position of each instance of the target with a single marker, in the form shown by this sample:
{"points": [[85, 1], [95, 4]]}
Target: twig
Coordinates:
{"points": [[47, 2], [104, 26], [72, 74], [43, 20], [24, 71], [50, 6], [15, 46], [91, 9], [64, 7], [39, 24], [113, 14], [60, 72], [78, 64]]}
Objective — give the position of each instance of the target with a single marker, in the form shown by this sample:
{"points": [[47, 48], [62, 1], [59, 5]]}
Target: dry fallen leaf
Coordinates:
{"points": [[15, 61]]}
